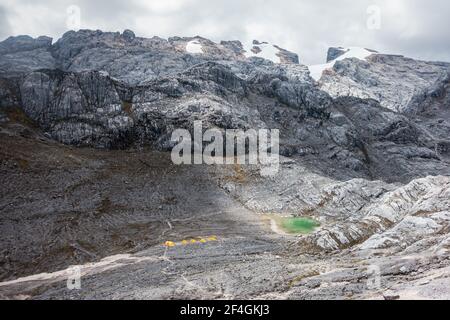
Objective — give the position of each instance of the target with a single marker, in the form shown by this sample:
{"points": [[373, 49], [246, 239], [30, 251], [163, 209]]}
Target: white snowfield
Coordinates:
{"points": [[317, 70], [268, 51], [194, 46]]}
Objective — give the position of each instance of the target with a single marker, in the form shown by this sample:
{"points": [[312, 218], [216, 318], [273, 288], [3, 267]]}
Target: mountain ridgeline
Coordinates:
{"points": [[85, 130], [117, 91]]}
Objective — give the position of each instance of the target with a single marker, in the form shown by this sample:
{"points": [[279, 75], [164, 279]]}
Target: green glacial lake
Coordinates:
{"points": [[298, 225]]}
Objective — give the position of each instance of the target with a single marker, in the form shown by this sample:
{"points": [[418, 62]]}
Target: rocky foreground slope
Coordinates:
{"points": [[365, 150]]}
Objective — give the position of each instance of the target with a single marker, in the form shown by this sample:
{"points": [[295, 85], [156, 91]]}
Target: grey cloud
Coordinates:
{"points": [[415, 28], [4, 24]]}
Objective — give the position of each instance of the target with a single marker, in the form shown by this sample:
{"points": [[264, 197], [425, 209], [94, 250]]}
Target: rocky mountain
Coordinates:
{"points": [[85, 129]]}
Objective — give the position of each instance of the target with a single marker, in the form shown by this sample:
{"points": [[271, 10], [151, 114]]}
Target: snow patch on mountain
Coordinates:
{"points": [[194, 46], [352, 52], [263, 50]]}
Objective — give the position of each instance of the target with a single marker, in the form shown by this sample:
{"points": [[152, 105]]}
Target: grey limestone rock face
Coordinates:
{"points": [[398, 83], [9, 96], [81, 109], [116, 90], [365, 151], [129, 35], [335, 52], [24, 43], [398, 220], [287, 56], [23, 54], [234, 45]]}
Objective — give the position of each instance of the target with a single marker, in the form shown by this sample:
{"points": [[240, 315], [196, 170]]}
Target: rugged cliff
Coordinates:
{"points": [[365, 150]]}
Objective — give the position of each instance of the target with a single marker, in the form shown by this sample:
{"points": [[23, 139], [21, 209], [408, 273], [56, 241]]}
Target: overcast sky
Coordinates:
{"points": [[415, 28]]}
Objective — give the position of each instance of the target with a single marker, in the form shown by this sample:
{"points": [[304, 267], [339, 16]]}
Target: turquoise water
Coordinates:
{"points": [[298, 225]]}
